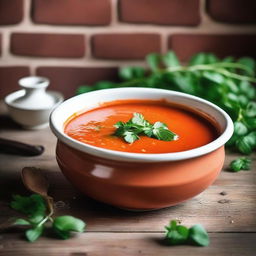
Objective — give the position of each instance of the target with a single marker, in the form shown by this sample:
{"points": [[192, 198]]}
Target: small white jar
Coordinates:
{"points": [[31, 106]]}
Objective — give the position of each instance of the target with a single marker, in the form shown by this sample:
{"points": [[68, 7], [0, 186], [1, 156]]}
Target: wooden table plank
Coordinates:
{"points": [[133, 244], [113, 231]]}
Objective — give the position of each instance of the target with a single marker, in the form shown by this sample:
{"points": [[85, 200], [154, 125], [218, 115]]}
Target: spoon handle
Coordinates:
{"points": [[19, 148], [49, 202]]}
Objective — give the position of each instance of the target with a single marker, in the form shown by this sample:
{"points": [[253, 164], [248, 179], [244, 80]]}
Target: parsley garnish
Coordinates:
{"points": [[137, 126], [37, 220]]}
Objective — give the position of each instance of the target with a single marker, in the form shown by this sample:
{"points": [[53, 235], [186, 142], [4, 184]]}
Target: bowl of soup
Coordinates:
{"points": [[148, 173]]}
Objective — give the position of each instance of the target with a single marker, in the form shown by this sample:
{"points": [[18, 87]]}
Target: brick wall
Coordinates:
{"points": [[82, 41]]}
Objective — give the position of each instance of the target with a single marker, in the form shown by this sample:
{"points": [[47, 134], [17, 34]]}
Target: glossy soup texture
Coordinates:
{"points": [[96, 126]]}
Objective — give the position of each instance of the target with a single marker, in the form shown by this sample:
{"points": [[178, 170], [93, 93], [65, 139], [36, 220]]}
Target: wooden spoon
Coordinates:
{"points": [[35, 181]]}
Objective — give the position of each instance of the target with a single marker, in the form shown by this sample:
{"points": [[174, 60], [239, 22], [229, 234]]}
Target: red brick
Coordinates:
{"points": [[48, 45], [11, 11], [9, 77], [236, 45], [0, 44], [232, 11], [68, 79], [72, 12], [162, 12], [124, 46]]}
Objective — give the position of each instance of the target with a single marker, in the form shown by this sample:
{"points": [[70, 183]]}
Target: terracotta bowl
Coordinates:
{"points": [[138, 181]]}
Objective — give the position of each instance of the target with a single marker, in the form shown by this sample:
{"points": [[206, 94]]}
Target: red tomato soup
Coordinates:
{"points": [[96, 126]]}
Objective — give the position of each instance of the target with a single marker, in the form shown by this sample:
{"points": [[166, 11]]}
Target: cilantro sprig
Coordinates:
{"points": [[137, 126], [179, 234], [242, 163], [37, 219], [227, 82]]}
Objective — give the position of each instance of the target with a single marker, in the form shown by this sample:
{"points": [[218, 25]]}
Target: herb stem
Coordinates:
{"points": [[231, 65], [43, 221], [236, 76], [212, 67], [240, 115]]}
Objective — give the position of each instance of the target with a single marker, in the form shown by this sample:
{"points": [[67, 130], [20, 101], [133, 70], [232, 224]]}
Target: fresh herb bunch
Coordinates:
{"points": [[226, 82], [37, 218], [242, 163], [178, 234], [137, 125]]}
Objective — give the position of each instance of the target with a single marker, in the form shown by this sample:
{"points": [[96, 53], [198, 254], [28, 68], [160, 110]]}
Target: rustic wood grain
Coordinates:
{"points": [[230, 218], [132, 244]]}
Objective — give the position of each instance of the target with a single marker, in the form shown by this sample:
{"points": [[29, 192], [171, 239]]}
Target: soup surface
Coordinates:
{"points": [[96, 126]]}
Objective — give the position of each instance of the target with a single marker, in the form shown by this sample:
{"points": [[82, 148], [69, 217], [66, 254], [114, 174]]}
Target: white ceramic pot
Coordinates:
{"points": [[31, 106]]}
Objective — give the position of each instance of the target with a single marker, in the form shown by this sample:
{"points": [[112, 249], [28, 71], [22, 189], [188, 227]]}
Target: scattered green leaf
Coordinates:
{"points": [[178, 234], [198, 235], [154, 60], [69, 223], [34, 207], [242, 163], [21, 222], [34, 233], [129, 73], [170, 60]]}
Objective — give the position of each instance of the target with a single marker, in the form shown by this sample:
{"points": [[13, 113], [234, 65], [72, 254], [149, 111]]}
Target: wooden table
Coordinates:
{"points": [[230, 219]]}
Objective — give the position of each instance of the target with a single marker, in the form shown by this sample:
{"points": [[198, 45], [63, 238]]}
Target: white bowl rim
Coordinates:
{"points": [[142, 157]]}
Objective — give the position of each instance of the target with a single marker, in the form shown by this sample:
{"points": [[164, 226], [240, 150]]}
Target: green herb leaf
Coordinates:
{"points": [[242, 163], [198, 59], [198, 235], [176, 234], [69, 223], [148, 131], [84, 88], [161, 132], [33, 234], [129, 73], [249, 63], [33, 206], [240, 128], [21, 222], [214, 77], [170, 59], [63, 225], [139, 120], [247, 143], [251, 123], [137, 125], [250, 110], [184, 83], [153, 61], [130, 137], [211, 58], [247, 89]]}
